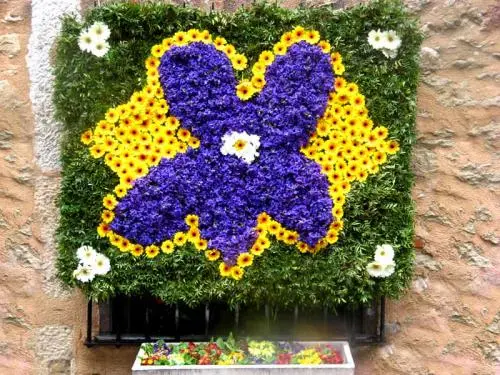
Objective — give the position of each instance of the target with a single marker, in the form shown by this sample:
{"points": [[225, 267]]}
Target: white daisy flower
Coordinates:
{"points": [[377, 269], [241, 144], [376, 39], [391, 40], [99, 48], [86, 254], [100, 31], [85, 41], [84, 273], [389, 269], [101, 265], [384, 254]]}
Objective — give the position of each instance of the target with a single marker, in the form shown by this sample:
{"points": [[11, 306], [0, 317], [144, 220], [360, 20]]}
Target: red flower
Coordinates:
{"points": [[284, 359], [205, 360]]}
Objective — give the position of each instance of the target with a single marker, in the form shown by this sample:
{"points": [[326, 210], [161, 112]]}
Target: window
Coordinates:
{"points": [[131, 320]]}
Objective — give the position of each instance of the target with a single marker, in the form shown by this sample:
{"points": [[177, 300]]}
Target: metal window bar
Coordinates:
{"points": [[120, 322]]}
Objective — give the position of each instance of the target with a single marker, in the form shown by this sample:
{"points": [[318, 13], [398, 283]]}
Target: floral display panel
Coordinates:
{"points": [[259, 156]]}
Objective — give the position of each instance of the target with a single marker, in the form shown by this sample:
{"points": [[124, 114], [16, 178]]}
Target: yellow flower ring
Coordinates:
{"points": [[135, 136]]}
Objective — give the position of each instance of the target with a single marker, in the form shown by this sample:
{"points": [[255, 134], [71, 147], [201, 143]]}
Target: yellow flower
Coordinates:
{"points": [[237, 272], [379, 157], [193, 235], [374, 168], [352, 88], [157, 50], [152, 251], [194, 35], [103, 230], [256, 249], [340, 199], [212, 255], [245, 90], [107, 216], [338, 212], [381, 132], [224, 269], [121, 190], [322, 128], [299, 33], [332, 236], [180, 238], [201, 244], [338, 68], [194, 142], [192, 220], [152, 74], [391, 147], [362, 175], [229, 50], [112, 116], [358, 100], [86, 138], [124, 245], [266, 58], [258, 68], [109, 201], [335, 58], [325, 46], [167, 247], [206, 37], [139, 98], [303, 247], [137, 250], [239, 61], [279, 48], [290, 237], [127, 178], [152, 63], [263, 241], [287, 39], [341, 97], [245, 260], [172, 123], [258, 81], [109, 144], [183, 134], [180, 38], [161, 106], [97, 151], [167, 43], [312, 36], [123, 111], [219, 43]]}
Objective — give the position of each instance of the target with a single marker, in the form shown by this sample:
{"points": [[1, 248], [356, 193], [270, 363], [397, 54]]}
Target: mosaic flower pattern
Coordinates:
{"points": [[315, 139]]}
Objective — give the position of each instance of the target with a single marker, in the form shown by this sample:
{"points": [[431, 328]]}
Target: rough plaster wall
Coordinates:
{"points": [[45, 26], [448, 323]]}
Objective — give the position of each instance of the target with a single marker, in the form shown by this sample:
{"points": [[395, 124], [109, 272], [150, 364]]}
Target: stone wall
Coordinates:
{"points": [[448, 323]]}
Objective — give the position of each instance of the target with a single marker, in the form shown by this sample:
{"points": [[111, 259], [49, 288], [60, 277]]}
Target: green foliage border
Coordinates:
{"points": [[379, 211]]}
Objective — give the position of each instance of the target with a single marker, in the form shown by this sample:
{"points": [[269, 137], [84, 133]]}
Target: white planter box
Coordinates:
{"points": [[346, 368]]}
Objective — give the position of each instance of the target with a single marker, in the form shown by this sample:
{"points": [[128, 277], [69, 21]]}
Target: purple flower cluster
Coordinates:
{"points": [[225, 192]]}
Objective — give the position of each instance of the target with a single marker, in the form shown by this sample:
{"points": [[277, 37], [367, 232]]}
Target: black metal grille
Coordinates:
{"points": [[131, 320]]}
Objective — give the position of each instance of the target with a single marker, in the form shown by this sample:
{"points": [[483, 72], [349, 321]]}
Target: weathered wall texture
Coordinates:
{"points": [[448, 323]]}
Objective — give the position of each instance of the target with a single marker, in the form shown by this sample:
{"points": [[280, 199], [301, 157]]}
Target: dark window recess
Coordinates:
{"points": [[132, 320]]}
